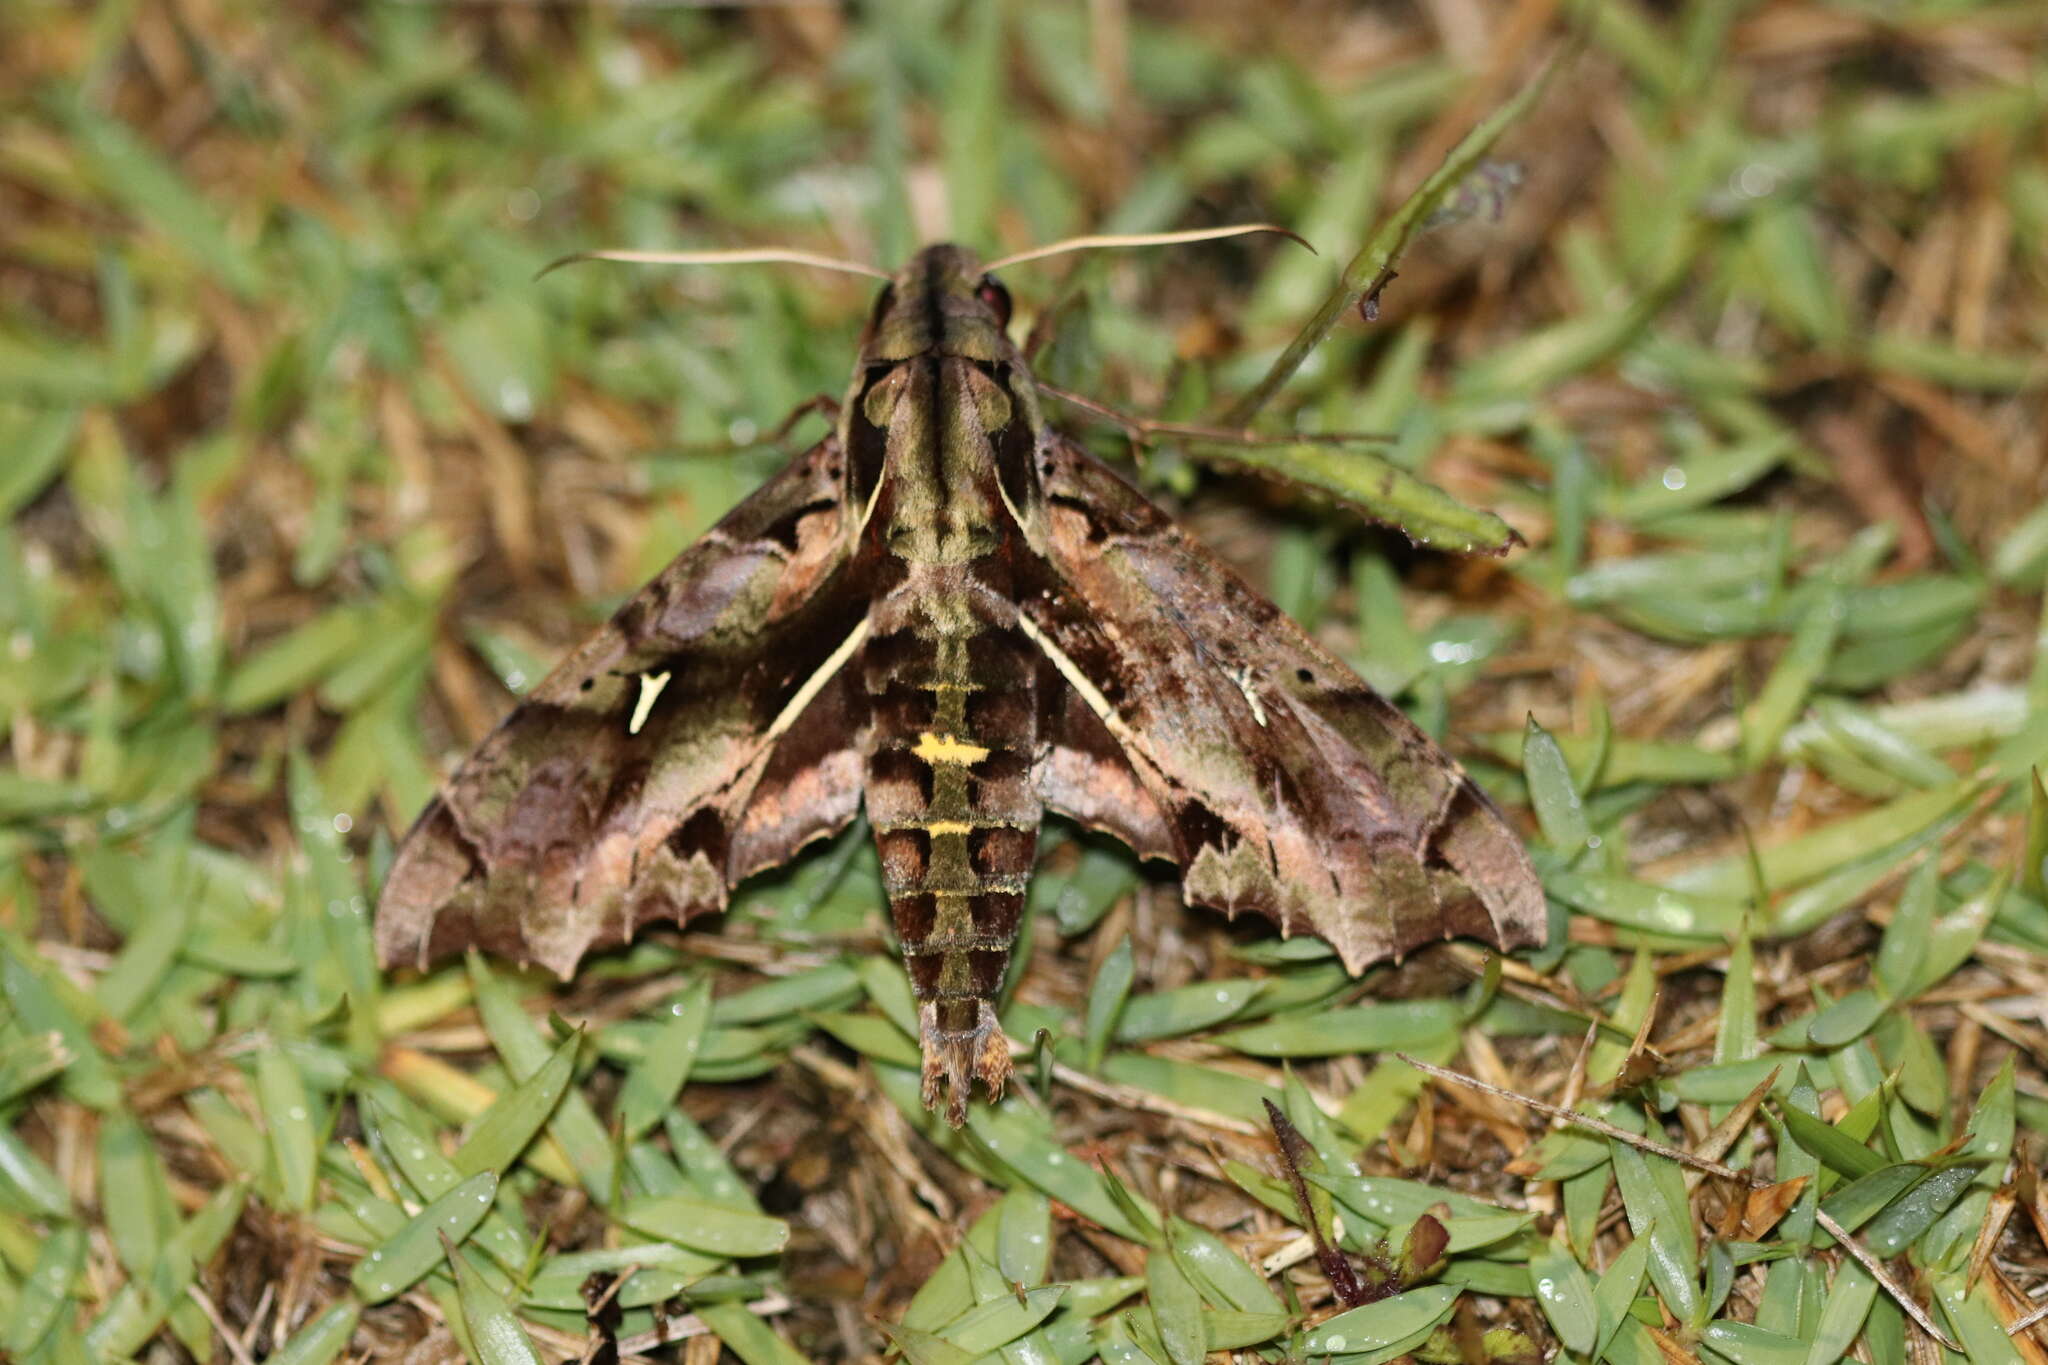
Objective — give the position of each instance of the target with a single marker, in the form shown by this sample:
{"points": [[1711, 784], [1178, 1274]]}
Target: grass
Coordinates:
{"points": [[306, 475]]}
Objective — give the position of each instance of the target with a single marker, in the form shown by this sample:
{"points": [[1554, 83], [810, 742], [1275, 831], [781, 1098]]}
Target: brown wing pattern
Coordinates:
{"points": [[704, 733], [1277, 779]]}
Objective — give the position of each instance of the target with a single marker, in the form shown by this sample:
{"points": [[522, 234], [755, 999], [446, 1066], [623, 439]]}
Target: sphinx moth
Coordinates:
{"points": [[951, 615]]}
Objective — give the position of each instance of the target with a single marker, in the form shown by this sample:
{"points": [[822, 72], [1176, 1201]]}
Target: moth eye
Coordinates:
{"points": [[996, 297], [589, 683], [1304, 675]]}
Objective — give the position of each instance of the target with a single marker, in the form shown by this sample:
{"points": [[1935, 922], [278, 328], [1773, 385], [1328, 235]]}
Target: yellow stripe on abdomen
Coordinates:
{"points": [[949, 749]]}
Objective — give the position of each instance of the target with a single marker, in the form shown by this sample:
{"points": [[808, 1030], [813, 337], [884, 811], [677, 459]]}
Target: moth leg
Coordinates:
{"points": [[960, 1056], [1142, 431], [824, 404]]}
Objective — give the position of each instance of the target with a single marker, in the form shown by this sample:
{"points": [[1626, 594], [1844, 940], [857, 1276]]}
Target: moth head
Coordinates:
{"points": [[946, 293], [946, 296], [948, 300], [942, 302]]}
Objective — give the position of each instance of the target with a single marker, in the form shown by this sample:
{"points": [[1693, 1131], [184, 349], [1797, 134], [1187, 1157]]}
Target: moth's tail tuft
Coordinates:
{"points": [[956, 1057]]}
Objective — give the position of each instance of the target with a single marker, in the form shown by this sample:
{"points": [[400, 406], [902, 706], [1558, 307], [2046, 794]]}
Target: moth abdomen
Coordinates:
{"points": [[954, 812]]}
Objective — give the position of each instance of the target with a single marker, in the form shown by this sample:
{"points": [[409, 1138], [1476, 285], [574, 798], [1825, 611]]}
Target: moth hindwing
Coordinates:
{"points": [[947, 612]]}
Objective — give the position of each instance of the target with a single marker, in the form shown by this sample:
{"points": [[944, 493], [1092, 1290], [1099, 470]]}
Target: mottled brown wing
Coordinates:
{"points": [[1276, 778], [706, 732]]}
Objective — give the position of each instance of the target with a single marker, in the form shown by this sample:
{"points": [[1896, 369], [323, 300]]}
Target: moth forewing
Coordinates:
{"points": [[952, 616], [594, 807], [1286, 783]]}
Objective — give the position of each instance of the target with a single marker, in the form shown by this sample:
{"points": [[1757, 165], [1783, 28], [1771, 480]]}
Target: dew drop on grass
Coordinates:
{"points": [[622, 66], [515, 400], [1756, 180]]}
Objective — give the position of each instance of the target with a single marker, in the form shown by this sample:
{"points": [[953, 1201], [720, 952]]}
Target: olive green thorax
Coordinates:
{"points": [[942, 411]]}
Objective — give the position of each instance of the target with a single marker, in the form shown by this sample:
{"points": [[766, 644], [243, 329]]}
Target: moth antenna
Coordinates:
{"points": [[729, 256], [1143, 239]]}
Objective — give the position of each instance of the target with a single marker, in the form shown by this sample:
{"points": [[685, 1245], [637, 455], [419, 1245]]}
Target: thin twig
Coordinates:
{"points": [[1865, 1258], [236, 1347], [1860, 1254], [1373, 266], [1131, 1097], [1730, 1130], [2022, 1324], [1601, 1126]]}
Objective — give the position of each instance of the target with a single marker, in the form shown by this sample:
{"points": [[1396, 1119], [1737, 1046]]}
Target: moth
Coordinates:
{"points": [[948, 614]]}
